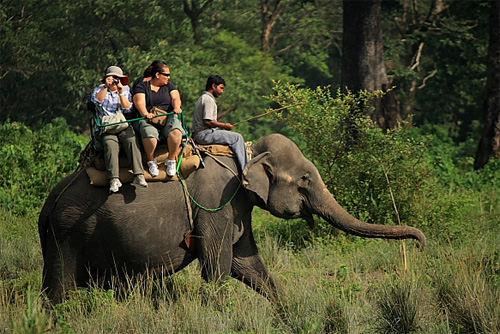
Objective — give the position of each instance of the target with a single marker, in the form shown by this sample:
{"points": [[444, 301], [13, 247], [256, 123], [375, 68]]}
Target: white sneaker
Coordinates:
{"points": [[171, 167], [153, 168], [114, 185], [139, 179]]}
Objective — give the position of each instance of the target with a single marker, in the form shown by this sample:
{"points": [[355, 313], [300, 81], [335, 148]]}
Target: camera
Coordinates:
{"points": [[116, 81]]}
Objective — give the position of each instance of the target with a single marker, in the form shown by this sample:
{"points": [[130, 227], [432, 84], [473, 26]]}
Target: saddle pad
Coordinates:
{"points": [[216, 149], [100, 178]]}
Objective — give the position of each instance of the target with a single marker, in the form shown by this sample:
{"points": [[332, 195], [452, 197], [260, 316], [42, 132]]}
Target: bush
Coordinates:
{"points": [[398, 307], [32, 162], [410, 176], [376, 176], [456, 197]]}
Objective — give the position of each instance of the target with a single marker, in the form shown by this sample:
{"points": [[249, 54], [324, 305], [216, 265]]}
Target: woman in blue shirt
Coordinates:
{"points": [[110, 97]]}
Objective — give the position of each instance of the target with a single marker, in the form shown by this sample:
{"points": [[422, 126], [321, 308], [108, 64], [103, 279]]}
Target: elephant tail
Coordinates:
{"points": [[45, 217], [43, 228]]}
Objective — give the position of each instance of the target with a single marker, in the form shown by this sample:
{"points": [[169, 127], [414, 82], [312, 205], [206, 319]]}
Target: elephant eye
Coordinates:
{"points": [[305, 180]]}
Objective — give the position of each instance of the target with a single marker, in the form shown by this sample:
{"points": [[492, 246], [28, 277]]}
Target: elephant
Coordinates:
{"points": [[88, 235]]}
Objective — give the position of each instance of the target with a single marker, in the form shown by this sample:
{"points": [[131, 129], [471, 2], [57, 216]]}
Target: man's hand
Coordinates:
{"points": [[217, 124]]}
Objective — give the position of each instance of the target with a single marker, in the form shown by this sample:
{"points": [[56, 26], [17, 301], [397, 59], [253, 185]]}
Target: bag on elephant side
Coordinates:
{"points": [[114, 124]]}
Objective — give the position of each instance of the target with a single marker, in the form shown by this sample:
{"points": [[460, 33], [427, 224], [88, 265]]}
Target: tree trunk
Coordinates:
{"points": [[270, 11], [409, 23], [363, 65], [489, 144], [194, 10]]}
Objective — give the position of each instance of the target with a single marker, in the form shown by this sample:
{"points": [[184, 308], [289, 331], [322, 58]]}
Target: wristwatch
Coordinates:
{"points": [[123, 94]]}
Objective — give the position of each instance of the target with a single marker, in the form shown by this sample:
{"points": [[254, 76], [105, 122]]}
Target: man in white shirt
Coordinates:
{"points": [[208, 130]]}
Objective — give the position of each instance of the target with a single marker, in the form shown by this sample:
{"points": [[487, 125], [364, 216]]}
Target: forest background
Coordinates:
{"points": [[272, 53]]}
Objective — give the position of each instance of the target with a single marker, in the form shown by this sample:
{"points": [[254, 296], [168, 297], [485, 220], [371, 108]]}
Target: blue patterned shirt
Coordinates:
{"points": [[111, 104]]}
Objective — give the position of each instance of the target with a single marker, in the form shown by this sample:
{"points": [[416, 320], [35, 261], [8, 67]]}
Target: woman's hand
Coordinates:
{"points": [[119, 86]]}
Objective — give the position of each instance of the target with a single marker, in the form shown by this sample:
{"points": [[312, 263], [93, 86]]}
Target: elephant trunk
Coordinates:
{"points": [[332, 212]]}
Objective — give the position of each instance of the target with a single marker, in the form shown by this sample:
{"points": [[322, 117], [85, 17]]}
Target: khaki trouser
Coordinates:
{"points": [[128, 142]]}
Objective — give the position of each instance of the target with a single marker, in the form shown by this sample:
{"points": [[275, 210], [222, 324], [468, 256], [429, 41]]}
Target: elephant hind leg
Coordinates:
{"points": [[253, 272], [53, 286]]}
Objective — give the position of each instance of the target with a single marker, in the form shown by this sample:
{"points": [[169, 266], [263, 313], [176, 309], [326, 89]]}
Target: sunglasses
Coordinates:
{"points": [[115, 79], [165, 74]]}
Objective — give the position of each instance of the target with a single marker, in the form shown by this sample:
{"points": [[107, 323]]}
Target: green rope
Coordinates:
{"points": [[183, 182], [98, 120], [181, 116]]}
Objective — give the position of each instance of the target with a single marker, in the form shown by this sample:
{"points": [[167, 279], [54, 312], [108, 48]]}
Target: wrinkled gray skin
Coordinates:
{"points": [[87, 234]]}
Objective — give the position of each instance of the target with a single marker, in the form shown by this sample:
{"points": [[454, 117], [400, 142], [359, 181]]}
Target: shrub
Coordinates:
{"points": [[457, 197], [32, 162], [376, 176]]}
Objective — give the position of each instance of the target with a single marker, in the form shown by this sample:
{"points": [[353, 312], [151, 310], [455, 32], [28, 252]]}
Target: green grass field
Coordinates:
{"points": [[329, 282], [330, 285]]}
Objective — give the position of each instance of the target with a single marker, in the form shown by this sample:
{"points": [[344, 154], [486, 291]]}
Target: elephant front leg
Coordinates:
{"points": [[252, 271], [215, 263], [215, 254]]}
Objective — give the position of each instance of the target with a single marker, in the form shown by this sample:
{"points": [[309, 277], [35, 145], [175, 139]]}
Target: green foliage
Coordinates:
{"points": [[336, 320], [34, 319], [442, 60], [34, 161], [455, 191], [453, 163], [376, 176]]}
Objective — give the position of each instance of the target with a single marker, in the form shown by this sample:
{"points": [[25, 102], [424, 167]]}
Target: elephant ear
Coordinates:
{"points": [[257, 176]]}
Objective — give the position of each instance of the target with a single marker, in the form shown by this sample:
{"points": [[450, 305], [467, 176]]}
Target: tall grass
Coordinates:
{"points": [[362, 287], [468, 290], [329, 282], [399, 307]]}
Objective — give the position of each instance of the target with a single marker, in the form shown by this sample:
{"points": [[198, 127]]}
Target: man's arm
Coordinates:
{"points": [[217, 124]]}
